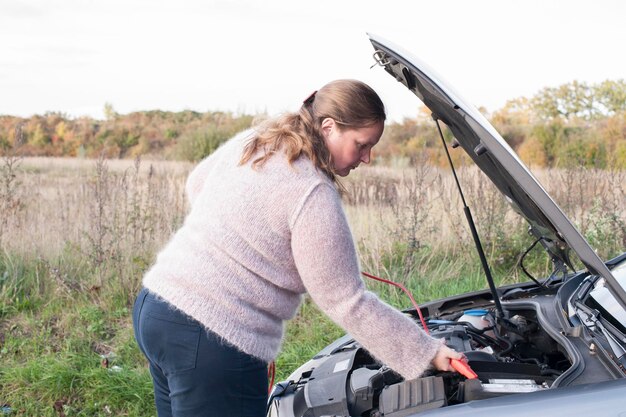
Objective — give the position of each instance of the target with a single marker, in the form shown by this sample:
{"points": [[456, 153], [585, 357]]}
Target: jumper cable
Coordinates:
{"points": [[461, 367]]}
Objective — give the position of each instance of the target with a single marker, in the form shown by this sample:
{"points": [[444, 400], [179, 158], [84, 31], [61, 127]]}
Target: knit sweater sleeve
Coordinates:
{"points": [[326, 260]]}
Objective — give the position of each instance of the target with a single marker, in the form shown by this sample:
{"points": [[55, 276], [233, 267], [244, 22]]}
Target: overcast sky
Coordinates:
{"points": [[251, 56]]}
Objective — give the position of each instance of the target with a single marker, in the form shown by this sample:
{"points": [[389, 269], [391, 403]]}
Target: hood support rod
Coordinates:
{"points": [[470, 221]]}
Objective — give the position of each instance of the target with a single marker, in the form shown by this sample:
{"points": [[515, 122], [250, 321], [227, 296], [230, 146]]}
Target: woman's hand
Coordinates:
{"points": [[442, 359]]}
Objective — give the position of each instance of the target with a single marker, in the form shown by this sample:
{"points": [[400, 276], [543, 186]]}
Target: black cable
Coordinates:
{"points": [[488, 339], [479, 339], [279, 389], [550, 372], [530, 360], [508, 349], [474, 329], [501, 343], [521, 263]]}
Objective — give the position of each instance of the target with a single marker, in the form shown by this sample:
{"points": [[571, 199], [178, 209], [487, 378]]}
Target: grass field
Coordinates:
{"points": [[77, 235]]}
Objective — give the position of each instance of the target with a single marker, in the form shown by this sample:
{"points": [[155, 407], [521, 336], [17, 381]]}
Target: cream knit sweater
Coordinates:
{"points": [[255, 240]]}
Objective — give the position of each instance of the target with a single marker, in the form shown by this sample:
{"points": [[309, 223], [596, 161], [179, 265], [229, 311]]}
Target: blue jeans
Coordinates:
{"points": [[194, 372]]}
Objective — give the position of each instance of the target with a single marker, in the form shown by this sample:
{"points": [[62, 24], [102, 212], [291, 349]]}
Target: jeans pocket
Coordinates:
{"points": [[171, 345]]}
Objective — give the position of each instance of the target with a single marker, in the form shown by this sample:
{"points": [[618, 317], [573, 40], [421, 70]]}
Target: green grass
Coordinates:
{"points": [[52, 341], [306, 334], [54, 334], [56, 325], [55, 355]]}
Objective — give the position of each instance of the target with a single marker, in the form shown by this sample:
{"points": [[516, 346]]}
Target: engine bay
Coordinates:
{"points": [[516, 355], [537, 343]]}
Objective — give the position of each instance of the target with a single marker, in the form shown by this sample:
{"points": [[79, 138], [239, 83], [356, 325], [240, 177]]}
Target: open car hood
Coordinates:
{"points": [[496, 159]]}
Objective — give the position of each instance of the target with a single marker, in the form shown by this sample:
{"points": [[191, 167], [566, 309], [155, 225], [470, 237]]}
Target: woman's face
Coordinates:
{"points": [[349, 147]]}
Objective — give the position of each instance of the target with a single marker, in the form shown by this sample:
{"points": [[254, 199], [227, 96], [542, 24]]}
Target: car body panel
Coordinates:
{"points": [[599, 399]]}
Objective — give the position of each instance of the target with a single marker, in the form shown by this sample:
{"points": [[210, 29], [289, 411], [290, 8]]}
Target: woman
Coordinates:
{"points": [[266, 225]]}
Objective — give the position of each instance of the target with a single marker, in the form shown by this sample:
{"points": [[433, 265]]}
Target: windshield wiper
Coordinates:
{"points": [[618, 349], [592, 319]]}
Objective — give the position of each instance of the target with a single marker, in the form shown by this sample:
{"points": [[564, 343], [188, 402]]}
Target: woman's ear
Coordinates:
{"points": [[327, 126]]}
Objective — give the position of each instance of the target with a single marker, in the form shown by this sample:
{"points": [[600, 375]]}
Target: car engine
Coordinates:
{"points": [[515, 357]]}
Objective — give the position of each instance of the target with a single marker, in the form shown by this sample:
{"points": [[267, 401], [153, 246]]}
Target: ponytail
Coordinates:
{"points": [[351, 104]]}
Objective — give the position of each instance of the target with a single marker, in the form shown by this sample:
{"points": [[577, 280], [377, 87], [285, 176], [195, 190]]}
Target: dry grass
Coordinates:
{"points": [[125, 210], [421, 207], [73, 201]]}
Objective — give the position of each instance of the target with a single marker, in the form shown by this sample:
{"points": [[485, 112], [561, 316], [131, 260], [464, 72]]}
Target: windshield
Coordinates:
{"points": [[605, 299]]}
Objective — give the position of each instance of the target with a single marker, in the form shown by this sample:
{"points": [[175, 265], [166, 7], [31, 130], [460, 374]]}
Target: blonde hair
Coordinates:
{"points": [[351, 104]]}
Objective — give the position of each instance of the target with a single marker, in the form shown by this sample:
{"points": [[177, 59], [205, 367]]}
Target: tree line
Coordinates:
{"points": [[186, 135], [575, 124], [572, 124]]}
